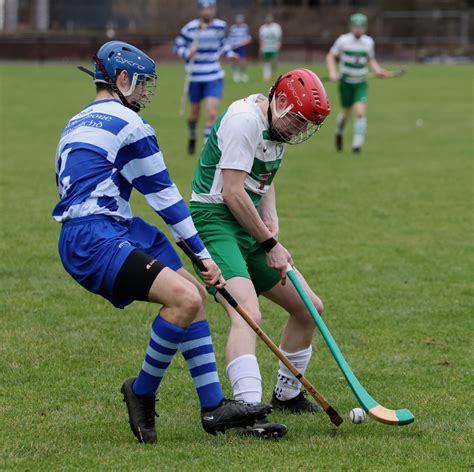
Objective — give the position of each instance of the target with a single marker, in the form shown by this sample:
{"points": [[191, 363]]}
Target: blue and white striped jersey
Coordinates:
{"points": [[238, 34], [104, 152], [210, 43]]}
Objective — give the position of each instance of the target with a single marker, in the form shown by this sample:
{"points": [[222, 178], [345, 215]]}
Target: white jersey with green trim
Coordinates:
{"points": [[270, 37], [354, 54], [239, 140]]}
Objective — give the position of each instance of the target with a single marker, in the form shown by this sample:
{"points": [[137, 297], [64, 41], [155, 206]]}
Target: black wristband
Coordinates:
{"points": [[268, 244]]}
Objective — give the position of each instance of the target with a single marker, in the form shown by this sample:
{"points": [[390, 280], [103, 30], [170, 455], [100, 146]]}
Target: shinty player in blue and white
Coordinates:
{"points": [[201, 42], [104, 152], [239, 38]]}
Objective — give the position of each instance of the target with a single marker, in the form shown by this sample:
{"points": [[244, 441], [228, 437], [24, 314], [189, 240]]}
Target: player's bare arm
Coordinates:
{"points": [[241, 206], [268, 212], [377, 69], [332, 66]]}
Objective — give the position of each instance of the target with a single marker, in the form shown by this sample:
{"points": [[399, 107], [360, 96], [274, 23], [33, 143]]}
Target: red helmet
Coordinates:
{"points": [[307, 106]]}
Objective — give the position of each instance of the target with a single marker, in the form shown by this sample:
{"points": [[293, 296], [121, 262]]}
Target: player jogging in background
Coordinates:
{"points": [[200, 43], [270, 44], [355, 52], [239, 38], [233, 206], [106, 151]]}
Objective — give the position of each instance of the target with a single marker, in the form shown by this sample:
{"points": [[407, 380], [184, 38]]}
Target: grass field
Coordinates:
{"points": [[385, 238]]}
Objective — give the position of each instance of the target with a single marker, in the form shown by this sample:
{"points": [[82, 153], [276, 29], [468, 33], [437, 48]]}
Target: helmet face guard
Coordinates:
{"points": [[307, 106], [115, 56], [290, 127], [141, 91]]}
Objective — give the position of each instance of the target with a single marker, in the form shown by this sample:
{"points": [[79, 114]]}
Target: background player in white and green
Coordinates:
{"points": [[270, 43], [355, 52], [234, 209]]}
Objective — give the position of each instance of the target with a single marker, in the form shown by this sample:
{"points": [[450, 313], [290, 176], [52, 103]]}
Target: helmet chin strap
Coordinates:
{"points": [[125, 102]]}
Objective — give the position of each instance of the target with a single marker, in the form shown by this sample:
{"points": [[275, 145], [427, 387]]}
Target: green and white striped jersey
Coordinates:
{"points": [[239, 140], [270, 37], [354, 54]]}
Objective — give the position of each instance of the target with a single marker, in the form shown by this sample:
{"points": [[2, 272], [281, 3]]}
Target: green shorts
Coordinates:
{"points": [[352, 93], [270, 55], [231, 247]]}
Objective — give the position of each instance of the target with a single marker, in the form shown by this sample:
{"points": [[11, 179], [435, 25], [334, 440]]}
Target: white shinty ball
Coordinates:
{"points": [[357, 415]]}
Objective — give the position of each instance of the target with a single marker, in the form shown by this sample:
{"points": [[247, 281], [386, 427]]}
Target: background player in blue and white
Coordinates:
{"points": [[104, 152], [239, 38], [200, 43], [355, 52]]}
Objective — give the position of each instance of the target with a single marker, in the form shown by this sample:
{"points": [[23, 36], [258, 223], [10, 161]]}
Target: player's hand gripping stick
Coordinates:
{"points": [[331, 412]]}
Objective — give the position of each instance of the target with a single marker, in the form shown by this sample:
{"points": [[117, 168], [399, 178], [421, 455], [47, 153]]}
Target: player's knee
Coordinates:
{"points": [[203, 295], [194, 113], [188, 301], [301, 313], [318, 304], [212, 116], [256, 316]]}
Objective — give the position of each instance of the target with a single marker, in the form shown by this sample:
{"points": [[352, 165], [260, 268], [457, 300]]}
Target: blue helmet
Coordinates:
{"points": [[118, 55], [206, 3], [115, 56]]}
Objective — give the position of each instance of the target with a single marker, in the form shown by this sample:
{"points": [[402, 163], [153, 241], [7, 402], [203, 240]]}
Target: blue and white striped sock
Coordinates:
{"points": [[164, 342], [198, 351], [207, 132]]}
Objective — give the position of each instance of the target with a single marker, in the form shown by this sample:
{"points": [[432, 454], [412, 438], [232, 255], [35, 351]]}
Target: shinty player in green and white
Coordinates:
{"points": [[355, 52], [270, 43], [234, 209]]}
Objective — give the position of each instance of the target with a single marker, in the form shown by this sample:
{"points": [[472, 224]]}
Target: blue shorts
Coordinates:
{"points": [[241, 51], [200, 90], [94, 248]]}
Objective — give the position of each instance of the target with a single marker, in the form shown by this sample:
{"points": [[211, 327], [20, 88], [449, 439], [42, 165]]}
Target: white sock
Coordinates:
{"points": [[340, 122], [245, 378], [287, 386], [267, 71], [360, 125]]}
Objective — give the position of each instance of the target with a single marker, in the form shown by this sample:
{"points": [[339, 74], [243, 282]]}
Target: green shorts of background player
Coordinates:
{"points": [[270, 64], [350, 94], [233, 206], [270, 55], [355, 53]]}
